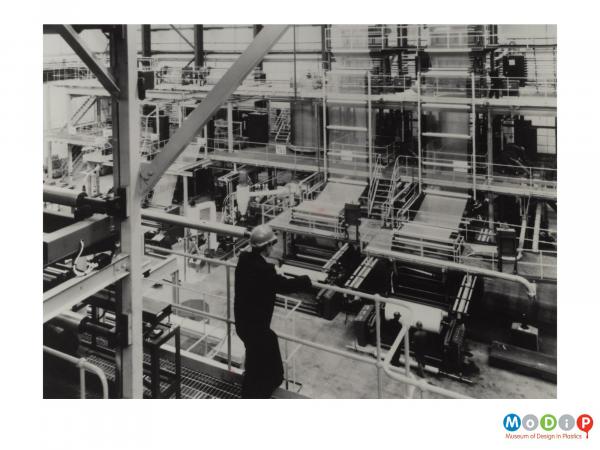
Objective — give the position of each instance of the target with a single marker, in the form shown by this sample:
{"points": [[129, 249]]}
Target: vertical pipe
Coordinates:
{"points": [[228, 290], [474, 136], [295, 81], [47, 126], [81, 382], [325, 126], [186, 231], [491, 211], [378, 342], [230, 126], [324, 64], [407, 357], [419, 150], [490, 145], [370, 130], [178, 362], [175, 281]]}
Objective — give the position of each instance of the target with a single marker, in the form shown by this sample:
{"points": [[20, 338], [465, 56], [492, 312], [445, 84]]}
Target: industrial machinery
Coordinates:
{"points": [[428, 185]]}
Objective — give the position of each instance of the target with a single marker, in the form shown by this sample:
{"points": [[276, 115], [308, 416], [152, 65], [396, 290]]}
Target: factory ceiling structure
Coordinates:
{"points": [[408, 170]]}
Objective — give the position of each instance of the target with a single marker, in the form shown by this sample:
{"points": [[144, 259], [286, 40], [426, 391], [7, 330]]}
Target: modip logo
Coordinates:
{"points": [[512, 422], [547, 427], [585, 423]]}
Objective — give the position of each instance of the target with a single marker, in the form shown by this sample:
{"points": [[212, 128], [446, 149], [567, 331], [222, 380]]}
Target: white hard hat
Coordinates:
{"points": [[261, 236]]}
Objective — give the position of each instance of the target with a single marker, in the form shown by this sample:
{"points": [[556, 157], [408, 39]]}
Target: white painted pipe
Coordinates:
{"points": [[432, 262]]}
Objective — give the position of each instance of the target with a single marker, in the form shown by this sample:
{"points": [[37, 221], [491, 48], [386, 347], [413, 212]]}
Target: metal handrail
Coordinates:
{"points": [[375, 177], [377, 299], [531, 287], [83, 365]]}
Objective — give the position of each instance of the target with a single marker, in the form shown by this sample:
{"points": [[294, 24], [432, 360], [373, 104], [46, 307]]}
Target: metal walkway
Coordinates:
{"points": [[194, 384]]}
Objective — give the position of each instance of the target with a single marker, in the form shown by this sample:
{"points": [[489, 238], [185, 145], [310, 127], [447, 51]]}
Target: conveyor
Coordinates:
{"points": [[435, 229], [327, 211]]}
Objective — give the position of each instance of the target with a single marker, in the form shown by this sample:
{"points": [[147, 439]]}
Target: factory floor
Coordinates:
{"points": [[324, 375]]}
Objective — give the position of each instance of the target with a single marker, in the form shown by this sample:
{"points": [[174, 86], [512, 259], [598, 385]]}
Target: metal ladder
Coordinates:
{"points": [[284, 131]]}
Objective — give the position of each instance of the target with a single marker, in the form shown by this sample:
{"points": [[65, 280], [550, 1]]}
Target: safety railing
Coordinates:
{"points": [[312, 185], [381, 363], [290, 306], [539, 179], [344, 38], [61, 73], [355, 38], [83, 365], [151, 149], [473, 226], [455, 37], [458, 84], [93, 128], [181, 76], [541, 265]]}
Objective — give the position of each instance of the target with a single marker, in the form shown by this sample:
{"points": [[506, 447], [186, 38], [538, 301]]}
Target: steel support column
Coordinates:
{"points": [[126, 155], [256, 51], [75, 42], [146, 41], [198, 46], [324, 49], [490, 167], [229, 127]]}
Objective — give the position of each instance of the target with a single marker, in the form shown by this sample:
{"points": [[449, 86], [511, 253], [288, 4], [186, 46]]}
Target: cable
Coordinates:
{"points": [[76, 271]]}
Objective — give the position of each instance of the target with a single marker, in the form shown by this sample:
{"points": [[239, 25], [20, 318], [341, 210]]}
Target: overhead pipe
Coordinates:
{"points": [[202, 225], [461, 267], [63, 196]]}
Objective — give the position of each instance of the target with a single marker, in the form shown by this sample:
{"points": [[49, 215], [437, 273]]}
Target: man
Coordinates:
{"points": [[256, 284]]}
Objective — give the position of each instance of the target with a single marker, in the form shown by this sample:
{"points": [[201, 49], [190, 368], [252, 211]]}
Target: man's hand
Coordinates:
{"points": [[306, 282]]}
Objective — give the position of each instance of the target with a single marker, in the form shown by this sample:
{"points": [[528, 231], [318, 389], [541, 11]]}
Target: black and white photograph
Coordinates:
{"points": [[300, 211], [249, 204]]}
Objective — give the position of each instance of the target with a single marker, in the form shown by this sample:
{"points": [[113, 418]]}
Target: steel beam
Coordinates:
{"points": [[76, 43], [77, 289], [126, 157], [187, 41], [255, 30], [64, 242], [202, 225], [256, 51]]}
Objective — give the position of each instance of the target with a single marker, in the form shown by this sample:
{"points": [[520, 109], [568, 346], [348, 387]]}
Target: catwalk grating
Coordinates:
{"points": [[194, 384]]}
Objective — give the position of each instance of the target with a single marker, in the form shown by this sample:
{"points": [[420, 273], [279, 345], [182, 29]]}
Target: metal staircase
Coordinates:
{"points": [[81, 111], [374, 187], [395, 188], [78, 164], [282, 131]]}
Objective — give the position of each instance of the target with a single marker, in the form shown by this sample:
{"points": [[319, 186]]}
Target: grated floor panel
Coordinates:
{"points": [[194, 384]]}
